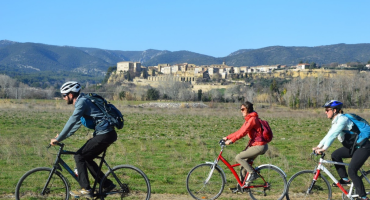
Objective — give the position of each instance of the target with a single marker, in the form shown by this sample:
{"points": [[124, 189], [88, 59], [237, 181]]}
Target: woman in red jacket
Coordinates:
{"points": [[256, 145]]}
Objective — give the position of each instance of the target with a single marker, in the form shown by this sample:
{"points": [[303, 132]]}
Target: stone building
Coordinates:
{"points": [[128, 66]]}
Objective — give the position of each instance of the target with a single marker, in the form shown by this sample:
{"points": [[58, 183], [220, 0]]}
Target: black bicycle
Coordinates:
{"points": [[49, 183]]}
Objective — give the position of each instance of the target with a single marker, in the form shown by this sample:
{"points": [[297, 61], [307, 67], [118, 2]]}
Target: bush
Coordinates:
{"points": [[152, 94]]}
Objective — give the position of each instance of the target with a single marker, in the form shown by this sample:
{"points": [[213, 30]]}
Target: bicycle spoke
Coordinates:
{"points": [[132, 184], [32, 183], [271, 186], [299, 184], [197, 186]]}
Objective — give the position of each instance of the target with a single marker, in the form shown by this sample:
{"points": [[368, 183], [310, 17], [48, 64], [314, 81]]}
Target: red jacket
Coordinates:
{"points": [[252, 128]]}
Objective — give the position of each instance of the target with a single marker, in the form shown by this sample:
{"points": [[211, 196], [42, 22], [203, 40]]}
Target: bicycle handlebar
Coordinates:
{"points": [[322, 154], [222, 142]]}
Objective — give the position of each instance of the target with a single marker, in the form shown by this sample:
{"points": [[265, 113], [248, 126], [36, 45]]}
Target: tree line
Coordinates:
{"points": [[297, 93]]}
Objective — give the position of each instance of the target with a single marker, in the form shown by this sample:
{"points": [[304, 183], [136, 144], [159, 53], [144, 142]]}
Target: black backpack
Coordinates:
{"points": [[112, 114]]}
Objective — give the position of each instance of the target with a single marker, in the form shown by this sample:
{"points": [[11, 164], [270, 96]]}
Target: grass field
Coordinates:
{"points": [[164, 143]]}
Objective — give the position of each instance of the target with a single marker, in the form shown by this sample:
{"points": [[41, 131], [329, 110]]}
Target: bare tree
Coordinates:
{"points": [[171, 88], [215, 95]]}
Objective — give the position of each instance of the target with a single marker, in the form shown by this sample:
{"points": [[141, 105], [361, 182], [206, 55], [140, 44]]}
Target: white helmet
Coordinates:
{"points": [[70, 86]]}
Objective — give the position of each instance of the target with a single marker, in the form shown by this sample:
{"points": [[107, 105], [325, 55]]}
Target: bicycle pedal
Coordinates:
{"points": [[237, 190]]}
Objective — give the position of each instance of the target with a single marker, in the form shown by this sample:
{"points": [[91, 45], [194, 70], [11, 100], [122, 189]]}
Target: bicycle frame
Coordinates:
{"points": [[321, 167], [60, 162], [231, 168]]}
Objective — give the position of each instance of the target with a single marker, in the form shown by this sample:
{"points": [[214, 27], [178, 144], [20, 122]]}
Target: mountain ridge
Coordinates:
{"points": [[32, 57]]}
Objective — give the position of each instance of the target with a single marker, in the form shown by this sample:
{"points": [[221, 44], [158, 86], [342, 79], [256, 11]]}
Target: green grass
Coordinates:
{"points": [[164, 143]]}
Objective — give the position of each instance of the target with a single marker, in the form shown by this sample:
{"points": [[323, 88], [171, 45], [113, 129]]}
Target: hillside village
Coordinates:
{"points": [[192, 73]]}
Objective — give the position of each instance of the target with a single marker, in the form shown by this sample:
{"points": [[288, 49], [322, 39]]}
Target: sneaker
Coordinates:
{"points": [[252, 177], [81, 193], [343, 183], [109, 188]]}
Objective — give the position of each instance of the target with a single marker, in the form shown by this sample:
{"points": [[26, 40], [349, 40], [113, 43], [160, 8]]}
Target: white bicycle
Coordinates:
{"points": [[311, 184]]}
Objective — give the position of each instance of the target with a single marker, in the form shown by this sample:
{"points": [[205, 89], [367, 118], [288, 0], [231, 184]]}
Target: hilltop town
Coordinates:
{"points": [[201, 75]]}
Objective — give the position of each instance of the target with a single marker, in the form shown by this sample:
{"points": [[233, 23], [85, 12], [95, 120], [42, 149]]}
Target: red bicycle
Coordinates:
{"points": [[207, 180]]}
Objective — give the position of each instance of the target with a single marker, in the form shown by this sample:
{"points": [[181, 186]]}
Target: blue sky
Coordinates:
{"points": [[211, 27]]}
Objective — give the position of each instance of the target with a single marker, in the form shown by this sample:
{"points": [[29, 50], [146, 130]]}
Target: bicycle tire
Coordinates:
{"points": [[366, 182], [276, 181], [32, 182], [301, 181], [196, 178], [135, 184]]}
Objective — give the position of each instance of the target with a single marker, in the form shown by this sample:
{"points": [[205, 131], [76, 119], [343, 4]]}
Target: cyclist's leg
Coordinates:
{"points": [[85, 155], [358, 159], [250, 153], [108, 139], [338, 156]]}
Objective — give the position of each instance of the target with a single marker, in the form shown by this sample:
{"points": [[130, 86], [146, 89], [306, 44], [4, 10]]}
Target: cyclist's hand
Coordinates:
{"points": [[319, 151], [225, 138], [53, 142], [314, 148], [228, 142]]}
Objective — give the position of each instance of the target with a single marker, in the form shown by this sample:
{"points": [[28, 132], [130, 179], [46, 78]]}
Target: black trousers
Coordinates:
{"points": [[358, 159], [85, 158]]}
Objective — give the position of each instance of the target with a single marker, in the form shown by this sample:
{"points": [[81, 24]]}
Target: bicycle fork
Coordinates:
{"points": [[45, 190], [313, 181], [211, 172]]}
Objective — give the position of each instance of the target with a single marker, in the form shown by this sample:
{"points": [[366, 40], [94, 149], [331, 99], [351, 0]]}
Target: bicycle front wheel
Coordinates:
{"points": [[299, 184], [131, 183], [31, 184], [203, 185], [271, 185]]}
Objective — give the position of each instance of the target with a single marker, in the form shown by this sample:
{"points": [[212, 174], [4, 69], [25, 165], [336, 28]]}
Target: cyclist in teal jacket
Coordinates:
{"points": [[103, 136], [341, 123]]}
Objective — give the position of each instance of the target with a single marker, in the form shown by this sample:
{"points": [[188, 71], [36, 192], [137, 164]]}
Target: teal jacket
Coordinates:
{"points": [[340, 124], [87, 109]]}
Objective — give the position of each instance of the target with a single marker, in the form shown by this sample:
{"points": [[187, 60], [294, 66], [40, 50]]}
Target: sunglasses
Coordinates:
{"points": [[64, 95], [242, 109], [327, 110]]}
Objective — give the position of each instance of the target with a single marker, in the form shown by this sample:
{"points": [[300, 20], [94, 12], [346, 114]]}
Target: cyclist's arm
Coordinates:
{"points": [[243, 131], [73, 122], [334, 131]]}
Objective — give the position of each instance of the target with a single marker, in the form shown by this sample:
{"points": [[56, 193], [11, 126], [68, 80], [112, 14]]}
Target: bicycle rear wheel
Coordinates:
{"points": [[272, 187], [197, 186], [32, 182], [131, 184], [300, 182], [366, 180]]}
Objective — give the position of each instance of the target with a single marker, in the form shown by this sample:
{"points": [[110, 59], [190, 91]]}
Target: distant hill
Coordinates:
{"points": [[28, 57], [340, 53]]}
